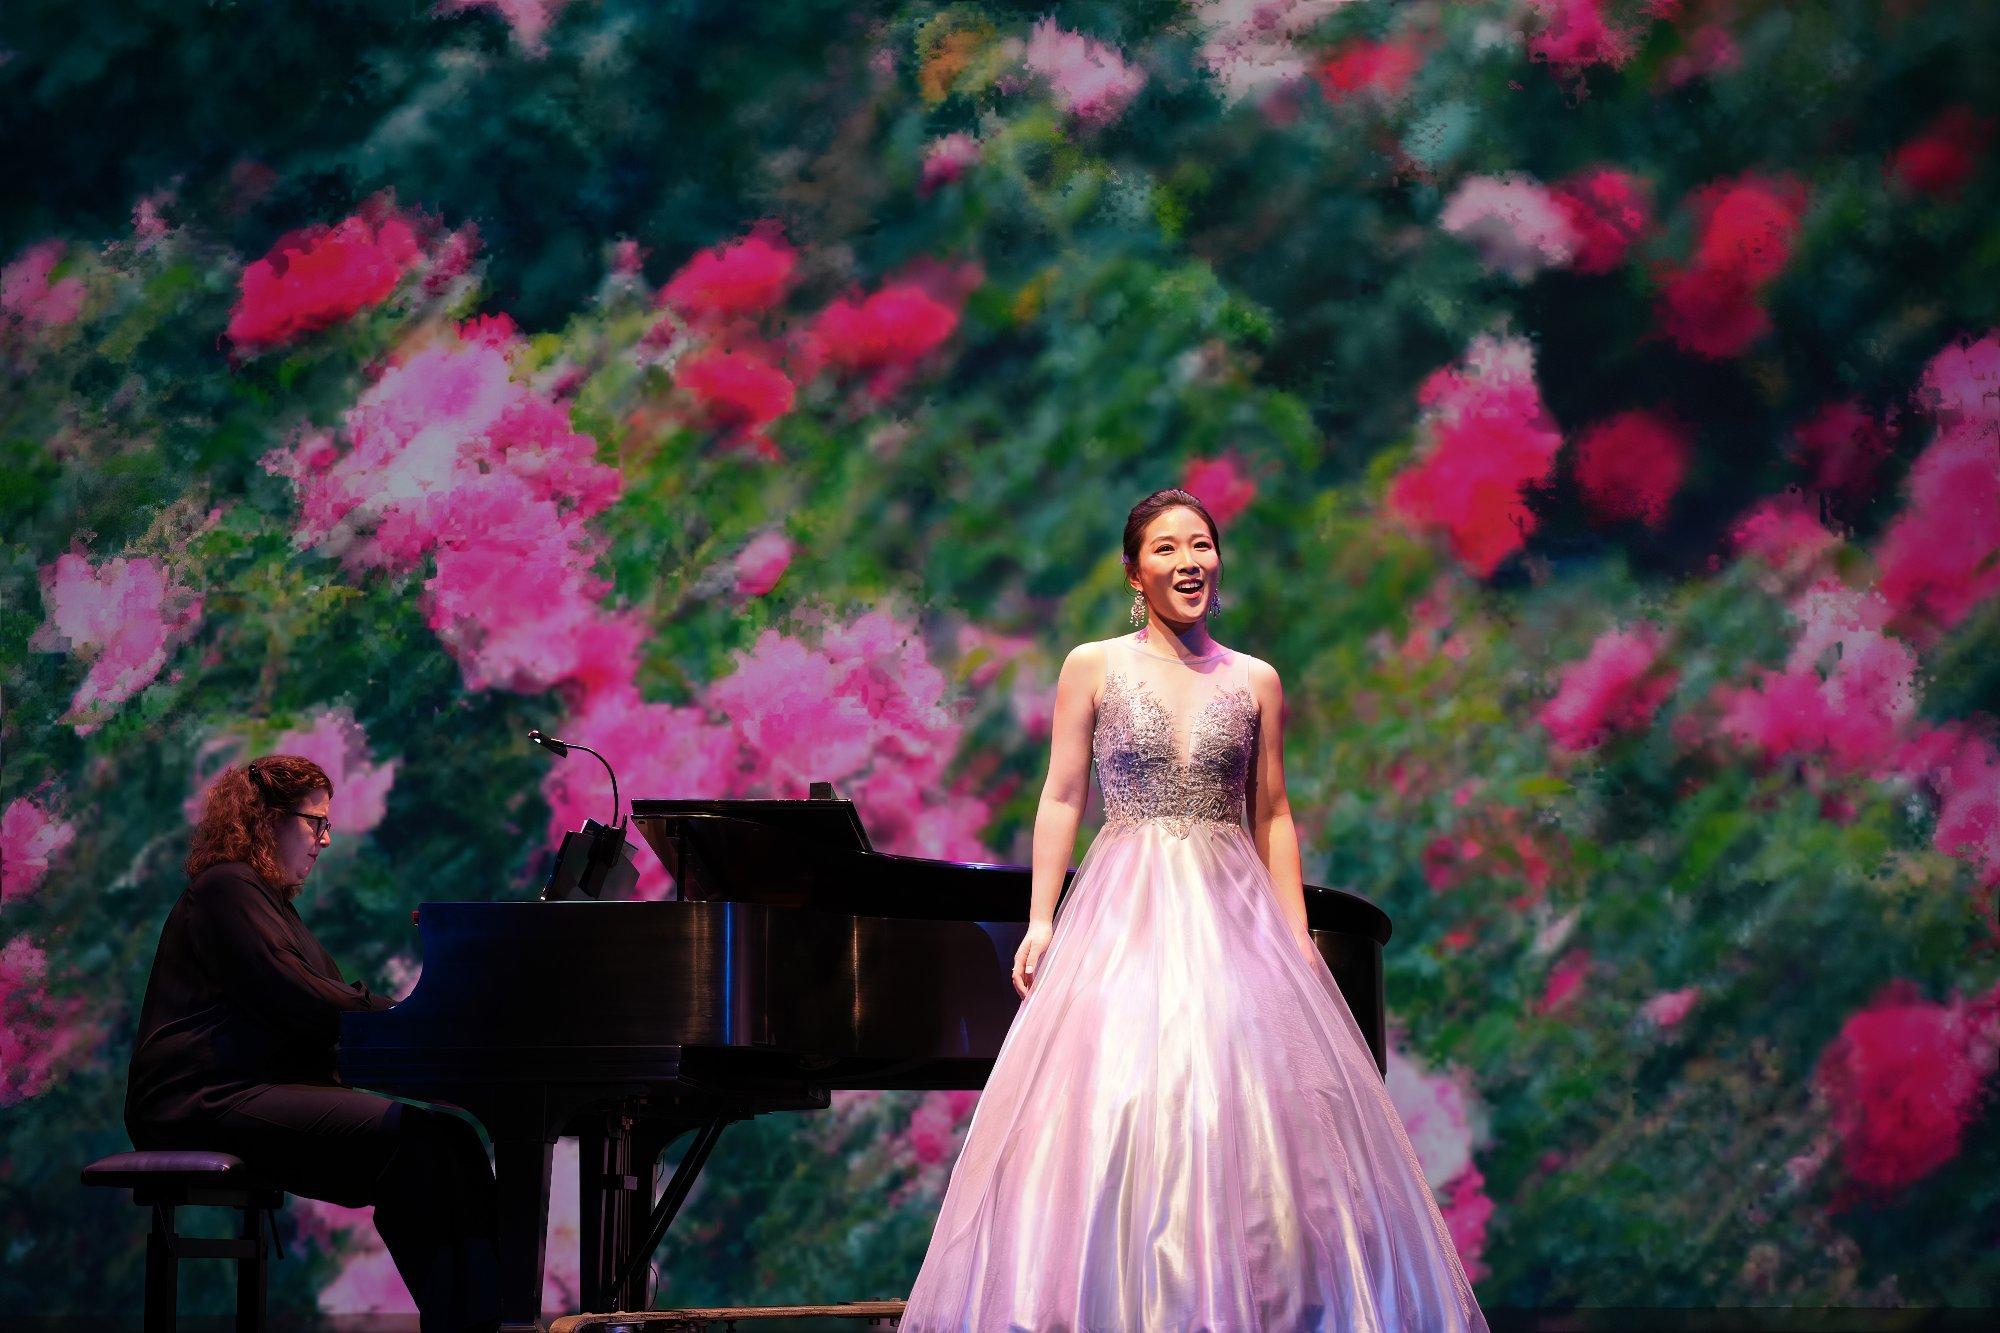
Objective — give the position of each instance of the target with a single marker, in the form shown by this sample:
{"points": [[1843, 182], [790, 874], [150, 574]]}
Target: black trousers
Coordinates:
{"points": [[424, 1172]]}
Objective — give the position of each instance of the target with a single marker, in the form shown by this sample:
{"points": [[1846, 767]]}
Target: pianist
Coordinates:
{"points": [[235, 1051]]}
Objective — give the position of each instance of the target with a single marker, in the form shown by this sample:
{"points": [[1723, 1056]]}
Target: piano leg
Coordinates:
{"points": [[521, 1176], [685, 1171], [608, 1182]]}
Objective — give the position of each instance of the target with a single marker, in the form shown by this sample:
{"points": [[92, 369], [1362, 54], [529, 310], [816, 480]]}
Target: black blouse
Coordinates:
{"points": [[241, 996]]}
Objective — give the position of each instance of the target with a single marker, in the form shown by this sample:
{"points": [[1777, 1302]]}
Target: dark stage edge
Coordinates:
{"points": [[1755, 1319]]}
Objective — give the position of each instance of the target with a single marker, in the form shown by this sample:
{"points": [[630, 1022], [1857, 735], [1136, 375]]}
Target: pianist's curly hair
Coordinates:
{"points": [[239, 816]]}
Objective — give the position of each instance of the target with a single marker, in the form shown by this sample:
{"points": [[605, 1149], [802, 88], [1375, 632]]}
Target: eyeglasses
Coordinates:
{"points": [[322, 825]]}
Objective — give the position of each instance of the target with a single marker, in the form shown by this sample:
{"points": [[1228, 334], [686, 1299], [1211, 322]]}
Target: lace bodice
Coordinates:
{"points": [[1173, 740]]}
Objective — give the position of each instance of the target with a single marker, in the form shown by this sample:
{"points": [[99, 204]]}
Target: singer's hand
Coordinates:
{"points": [[1029, 956]]}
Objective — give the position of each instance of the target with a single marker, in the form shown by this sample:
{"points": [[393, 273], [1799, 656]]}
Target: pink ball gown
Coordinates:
{"points": [[1184, 1128]]}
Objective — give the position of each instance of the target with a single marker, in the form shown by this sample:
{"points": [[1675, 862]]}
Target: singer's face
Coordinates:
{"points": [[300, 838], [1178, 566]]}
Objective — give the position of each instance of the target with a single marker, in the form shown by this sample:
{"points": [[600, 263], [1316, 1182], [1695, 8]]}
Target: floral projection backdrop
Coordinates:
{"points": [[1601, 400]]}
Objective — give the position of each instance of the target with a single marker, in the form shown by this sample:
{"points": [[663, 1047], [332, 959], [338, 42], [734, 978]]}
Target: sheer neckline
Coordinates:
{"points": [[1168, 657]]}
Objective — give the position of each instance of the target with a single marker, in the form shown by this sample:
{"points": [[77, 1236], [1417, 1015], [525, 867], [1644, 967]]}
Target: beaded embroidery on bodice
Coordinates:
{"points": [[1142, 767]]}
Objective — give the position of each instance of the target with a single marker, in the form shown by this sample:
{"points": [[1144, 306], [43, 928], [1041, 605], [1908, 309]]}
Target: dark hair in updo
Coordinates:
{"points": [[1151, 507], [239, 816]]}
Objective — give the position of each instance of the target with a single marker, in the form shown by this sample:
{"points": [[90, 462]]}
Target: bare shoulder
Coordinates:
{"points": [[1261, 674]]}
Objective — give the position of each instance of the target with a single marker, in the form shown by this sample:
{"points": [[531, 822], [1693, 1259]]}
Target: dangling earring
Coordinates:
{"points": [[1214, 602], [1138, 608]]}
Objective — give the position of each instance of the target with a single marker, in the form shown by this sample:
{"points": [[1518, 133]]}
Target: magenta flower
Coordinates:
{"points": [[1467, 1210], [1518, 225], [1746, 228], [1902, 1081], [740, 392], [1631, 465], [1361, 67], [1444, 1121], [883, 336], [1565, 981], [1486, 437], [121, 617], [1088, 78], [1784, 532], [761, 563], [1574, 34], [1940, 558], [319, 276], [1615, 688], [1944, 157], [742, 278], [30, 838], [1609, 210], [28, 300], [1960, 763], [1222, 483]]}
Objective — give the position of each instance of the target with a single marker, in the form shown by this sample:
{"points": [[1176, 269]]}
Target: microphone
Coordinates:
{"points": [[549, 743]]}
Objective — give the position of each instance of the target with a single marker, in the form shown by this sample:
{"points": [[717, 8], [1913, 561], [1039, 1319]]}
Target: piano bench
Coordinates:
{"points": [[167, 1180]]}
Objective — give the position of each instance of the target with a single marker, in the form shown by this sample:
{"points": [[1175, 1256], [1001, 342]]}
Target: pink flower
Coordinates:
{"points": [[336, 742], [1616, 688], [1940, 558], [1574, 34], [1609, 211], [28, 299], [931, 1132], [1360, 67], [1438, 1112], [1248, 45], [1630, 466], [40, 1034], [1565, 981], [512, 595], [1784, 532], [1486, 437], [29, 839], [1222, 484], [948, 158], [1518, 226], [882, 336], [319, 276], [760, 564], [1467, 1210], [985, 653], [1089, 79], [742, 278], [1669, 1007], [1961, 764], [529, 20], [121, 617], [1903, 1080], [1946, 155], [1854, 715], [865, 710], [1841, 446], [741, 392]]}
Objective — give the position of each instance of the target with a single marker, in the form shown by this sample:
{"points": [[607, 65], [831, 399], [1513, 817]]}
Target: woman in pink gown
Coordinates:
{"points": [[1184, 1129]]}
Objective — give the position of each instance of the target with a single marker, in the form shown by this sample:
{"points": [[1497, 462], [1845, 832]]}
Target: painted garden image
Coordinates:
{"points": [[1593, 409]]}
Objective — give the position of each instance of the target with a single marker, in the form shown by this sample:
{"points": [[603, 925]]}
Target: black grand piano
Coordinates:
{"points": [[793, 959]]}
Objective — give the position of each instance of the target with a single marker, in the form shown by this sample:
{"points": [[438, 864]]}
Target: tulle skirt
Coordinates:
{"points": [[1184, 1129]]}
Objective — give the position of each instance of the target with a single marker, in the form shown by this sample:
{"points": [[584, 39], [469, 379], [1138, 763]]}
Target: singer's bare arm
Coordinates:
{"points": [[1064, 790]]}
